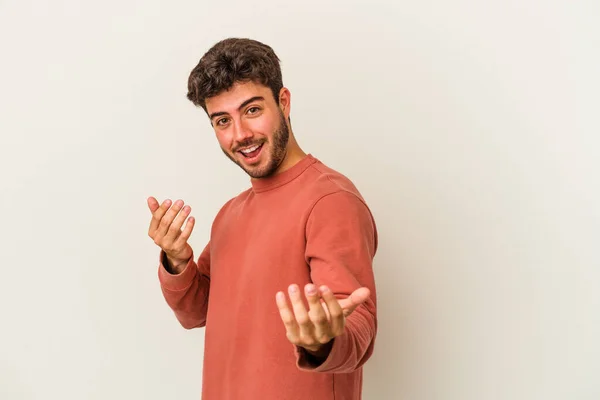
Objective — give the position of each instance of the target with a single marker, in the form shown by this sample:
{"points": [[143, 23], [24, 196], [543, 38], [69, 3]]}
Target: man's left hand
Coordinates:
{"points": [[325, 319]]}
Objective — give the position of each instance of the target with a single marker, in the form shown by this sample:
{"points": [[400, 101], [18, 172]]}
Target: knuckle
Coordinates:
{"points": [[307, 340], [302, 320], [292, 338], [318, 318], [179, 239], [324, 339]]}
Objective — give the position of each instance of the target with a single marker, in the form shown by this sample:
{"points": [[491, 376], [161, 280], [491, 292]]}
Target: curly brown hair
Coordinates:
{"points": [[230, 61]]}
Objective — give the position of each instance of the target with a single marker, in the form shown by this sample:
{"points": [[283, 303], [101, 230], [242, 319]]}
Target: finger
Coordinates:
{"points": [[152, 204], [167, 219], [325, 309], [302, 319], [358, 297], [157, 217], [289, 321], [186, 233], [175, 227], [335, 310], [316, 313]]}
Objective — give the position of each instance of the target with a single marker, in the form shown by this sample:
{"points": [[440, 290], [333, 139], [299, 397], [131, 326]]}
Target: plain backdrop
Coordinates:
{"points": [[470, 127]]}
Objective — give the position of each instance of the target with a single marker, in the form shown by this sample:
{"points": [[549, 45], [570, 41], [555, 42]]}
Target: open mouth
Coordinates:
{"points": [[252, 152]]}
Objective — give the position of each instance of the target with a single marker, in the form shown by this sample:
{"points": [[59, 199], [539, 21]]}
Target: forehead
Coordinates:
{"points": [[229, 101]]}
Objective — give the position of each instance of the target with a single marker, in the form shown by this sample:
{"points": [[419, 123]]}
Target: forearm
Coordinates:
{"points": [[185, 290]]}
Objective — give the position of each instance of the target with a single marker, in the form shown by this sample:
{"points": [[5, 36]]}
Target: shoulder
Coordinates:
{"points": [[331, 186], [338, 209]]}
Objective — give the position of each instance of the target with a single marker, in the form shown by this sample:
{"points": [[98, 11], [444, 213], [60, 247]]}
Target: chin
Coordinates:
{"points": [[262, 169], [259, 171]]}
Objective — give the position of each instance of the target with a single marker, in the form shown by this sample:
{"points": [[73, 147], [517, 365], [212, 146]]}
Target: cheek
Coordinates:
{"points": [[263, 127], [225, 140]]}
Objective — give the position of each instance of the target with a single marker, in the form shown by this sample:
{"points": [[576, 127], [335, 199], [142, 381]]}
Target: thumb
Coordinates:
{"points": [[357, 297]]}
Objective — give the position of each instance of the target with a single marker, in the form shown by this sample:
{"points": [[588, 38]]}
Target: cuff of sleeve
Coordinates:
{"points": [[338, 352], [177, 282]]}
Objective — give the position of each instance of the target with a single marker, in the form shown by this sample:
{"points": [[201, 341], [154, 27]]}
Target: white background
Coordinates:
{"points": [[470, 127]]}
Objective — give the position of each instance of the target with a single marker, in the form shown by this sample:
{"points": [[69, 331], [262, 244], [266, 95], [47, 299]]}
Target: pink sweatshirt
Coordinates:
{"points": [[307, 224]]}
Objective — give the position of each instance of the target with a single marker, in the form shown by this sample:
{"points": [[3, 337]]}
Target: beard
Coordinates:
{"points": [[277, 148]]}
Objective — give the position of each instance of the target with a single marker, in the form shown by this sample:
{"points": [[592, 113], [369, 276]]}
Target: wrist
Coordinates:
{"points": [[320, 353], [174, 267]]}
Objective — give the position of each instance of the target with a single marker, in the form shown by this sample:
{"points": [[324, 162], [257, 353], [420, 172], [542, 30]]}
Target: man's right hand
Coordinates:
{"points": [[165, 230]]}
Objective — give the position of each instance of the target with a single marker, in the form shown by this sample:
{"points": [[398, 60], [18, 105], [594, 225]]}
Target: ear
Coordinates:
{"points": [[285, 98]]}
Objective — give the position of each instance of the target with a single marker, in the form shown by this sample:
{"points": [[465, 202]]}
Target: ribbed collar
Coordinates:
{"points": [[272, 182]]}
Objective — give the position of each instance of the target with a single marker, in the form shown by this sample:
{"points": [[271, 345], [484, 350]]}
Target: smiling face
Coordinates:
{"points": [[251, 127]]}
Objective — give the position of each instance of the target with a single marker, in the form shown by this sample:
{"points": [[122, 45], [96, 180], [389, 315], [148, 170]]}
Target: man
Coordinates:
{"points": [[285, 285]]}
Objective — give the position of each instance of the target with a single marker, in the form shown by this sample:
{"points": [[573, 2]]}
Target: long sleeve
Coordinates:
{"points": [[187, 293], [341, 242]]}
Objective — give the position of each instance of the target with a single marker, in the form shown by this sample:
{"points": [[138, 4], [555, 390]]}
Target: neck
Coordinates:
{"points": [[293, 155]]}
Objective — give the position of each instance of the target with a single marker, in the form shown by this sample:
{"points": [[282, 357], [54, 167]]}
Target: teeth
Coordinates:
{"points": [[250, 149]]}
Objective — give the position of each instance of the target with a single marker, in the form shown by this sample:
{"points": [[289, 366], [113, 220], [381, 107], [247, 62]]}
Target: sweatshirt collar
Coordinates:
{"points": [[274, 181]]}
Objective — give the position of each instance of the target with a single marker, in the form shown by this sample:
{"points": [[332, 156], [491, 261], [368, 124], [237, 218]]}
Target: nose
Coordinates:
{"points": [[242, 132]]}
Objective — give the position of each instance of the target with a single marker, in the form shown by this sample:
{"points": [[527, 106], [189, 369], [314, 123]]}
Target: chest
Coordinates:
{"points": [[260, 246]]}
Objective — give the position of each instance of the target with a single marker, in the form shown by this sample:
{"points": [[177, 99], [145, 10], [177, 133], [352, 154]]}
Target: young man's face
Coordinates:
{"points": [[250, 127]]}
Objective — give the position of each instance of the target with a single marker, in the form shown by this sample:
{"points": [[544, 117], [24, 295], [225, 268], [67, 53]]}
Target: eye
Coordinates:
{"points": [[253, 110], [222, 121]]}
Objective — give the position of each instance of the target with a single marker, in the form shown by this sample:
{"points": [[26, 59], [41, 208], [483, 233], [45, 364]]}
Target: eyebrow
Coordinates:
{"points": [[244, 104]]}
